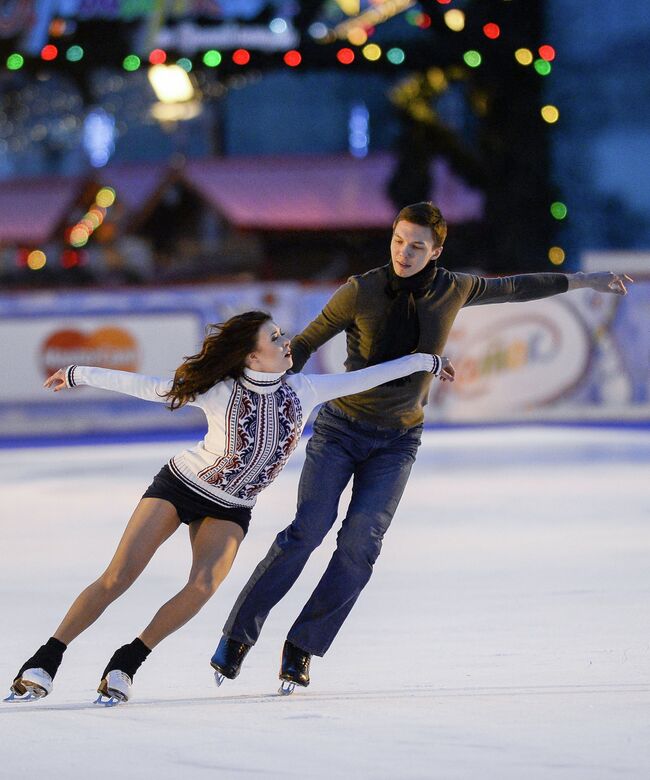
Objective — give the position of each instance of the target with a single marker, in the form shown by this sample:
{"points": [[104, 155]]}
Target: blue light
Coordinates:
{"points": [[358, 130], [99, 137], [278, 26]]}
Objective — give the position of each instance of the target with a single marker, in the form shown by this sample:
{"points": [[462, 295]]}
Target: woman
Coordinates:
{"points": [[255, 417]]}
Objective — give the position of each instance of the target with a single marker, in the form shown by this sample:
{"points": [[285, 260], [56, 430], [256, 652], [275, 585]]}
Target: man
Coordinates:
{"points": [[371, 437]]}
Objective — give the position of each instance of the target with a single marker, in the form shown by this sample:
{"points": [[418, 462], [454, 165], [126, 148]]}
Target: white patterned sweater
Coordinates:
{"points": [[254, 423]]}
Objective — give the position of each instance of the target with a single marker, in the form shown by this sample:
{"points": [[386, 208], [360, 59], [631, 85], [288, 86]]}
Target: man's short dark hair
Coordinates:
{"points": [[427, 215]]}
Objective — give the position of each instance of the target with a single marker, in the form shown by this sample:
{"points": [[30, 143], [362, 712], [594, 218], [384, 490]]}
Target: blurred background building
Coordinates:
{"points": [[301, 128]]}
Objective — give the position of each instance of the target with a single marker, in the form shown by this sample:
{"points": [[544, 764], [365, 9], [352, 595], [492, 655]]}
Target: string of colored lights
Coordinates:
{"points": [[357, 32]]}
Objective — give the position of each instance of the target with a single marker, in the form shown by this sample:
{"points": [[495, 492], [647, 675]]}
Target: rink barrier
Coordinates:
{"points": [[192, 435], [578, 357]]}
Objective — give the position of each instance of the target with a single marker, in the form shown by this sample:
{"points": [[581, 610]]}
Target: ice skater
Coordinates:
{"points": [[370, 437], [255, 415]]}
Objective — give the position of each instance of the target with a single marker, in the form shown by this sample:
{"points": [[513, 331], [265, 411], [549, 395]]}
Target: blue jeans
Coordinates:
{"points": [[380, 461]]}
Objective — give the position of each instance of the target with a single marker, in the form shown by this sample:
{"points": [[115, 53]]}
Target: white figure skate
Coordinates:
{"points": [[32, 684], [114, 689]]}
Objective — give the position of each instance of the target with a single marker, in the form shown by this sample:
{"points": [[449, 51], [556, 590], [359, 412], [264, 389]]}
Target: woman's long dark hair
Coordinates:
{"points": [[223, 354]]}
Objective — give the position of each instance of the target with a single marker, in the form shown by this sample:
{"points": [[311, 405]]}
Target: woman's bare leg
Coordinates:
{"points": [[153, 522], [214, 546]]}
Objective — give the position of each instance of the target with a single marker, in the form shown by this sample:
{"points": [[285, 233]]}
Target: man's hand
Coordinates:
{"points": [[447, 372], [603, 281]]}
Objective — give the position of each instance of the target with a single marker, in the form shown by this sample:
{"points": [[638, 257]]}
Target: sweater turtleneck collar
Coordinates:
{"points": [[260, 382]]}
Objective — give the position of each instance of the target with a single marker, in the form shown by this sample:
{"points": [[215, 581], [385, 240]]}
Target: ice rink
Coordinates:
{"points": [[505, 633]]}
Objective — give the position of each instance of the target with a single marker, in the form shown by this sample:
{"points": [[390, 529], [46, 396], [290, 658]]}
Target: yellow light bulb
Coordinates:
{"points": [[455, 20], [371, 52], [524, 56], [105, 197], [550, 114], [36, 260]]}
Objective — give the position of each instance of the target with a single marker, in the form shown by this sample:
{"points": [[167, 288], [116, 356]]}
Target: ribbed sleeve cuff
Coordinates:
{"points": [[437, 365], [69, 376]]}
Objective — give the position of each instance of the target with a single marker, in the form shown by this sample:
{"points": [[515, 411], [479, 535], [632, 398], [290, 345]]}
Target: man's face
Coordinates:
{"points": [[412, 248]]}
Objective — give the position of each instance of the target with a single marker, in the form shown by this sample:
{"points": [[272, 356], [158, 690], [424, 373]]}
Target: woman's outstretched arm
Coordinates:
{"points": [[328, 386], [149, 388]]}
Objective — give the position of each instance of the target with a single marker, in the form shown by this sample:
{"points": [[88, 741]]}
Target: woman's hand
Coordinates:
{"points": [[447, 372], [56, 381]]}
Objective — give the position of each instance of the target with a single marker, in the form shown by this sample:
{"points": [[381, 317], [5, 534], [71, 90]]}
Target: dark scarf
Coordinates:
{"points": [[400, 333]]}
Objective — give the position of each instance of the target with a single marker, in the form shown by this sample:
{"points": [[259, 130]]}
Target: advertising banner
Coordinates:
{"points": [[145, 344], [577, 356]]}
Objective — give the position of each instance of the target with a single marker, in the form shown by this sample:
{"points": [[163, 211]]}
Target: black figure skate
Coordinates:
{"points": [[228, 658], [294, 669]]}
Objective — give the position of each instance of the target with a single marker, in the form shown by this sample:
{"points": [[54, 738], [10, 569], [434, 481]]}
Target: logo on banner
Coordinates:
{"points": [[107, 347], [514, 361]]}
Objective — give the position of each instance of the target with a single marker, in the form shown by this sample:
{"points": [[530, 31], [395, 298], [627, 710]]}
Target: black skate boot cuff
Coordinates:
{"points": [[47, 657], [128, 658]]}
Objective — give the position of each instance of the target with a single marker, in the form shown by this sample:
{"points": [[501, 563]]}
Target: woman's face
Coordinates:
{"points": [[272, 353]]}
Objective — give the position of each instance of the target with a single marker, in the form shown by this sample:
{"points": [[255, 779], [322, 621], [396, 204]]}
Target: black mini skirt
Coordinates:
{"points": [[190, 505]]}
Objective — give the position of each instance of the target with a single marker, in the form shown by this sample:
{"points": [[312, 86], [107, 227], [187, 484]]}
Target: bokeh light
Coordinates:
{"points": [[550, 114], [556, 255], [105, 197], [543, 67], [345, 56], [524, 56], [241, 57], [185, 63], [58, 27], [559, 210], [15, 61], [278, 26], [371, 52], [212, 58], [455, 19], [292, 58], [79, 235], [547, 52], [158, 57], [131, 62], [472, 58], [74, 54], [396, 56], [491, 30], [36, 260], [357, 36], [318, 30], [49, 52]]}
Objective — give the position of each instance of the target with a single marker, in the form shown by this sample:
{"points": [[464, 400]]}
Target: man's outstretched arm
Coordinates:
{"points": [[531, 287]]}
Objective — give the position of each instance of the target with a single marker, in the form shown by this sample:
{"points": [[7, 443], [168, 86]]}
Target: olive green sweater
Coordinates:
{"points": [[359, 307]]}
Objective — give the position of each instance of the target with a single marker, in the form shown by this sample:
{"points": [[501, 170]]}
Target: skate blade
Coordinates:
{"points": [[109, 697], [219, 678], [287, 688], [104, 700], [29, 695], [30, 691]]}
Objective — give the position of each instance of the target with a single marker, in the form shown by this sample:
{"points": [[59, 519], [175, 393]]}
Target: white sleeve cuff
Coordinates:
{"points": [[69, 376]]}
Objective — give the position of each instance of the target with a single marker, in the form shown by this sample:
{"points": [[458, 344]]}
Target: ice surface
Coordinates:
{"points": [[505, 632]]}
